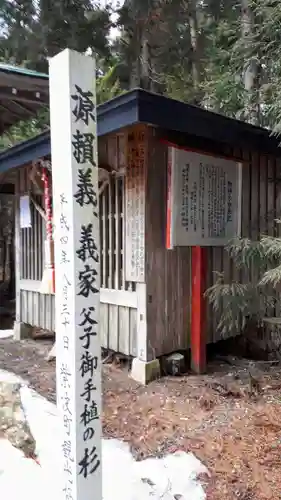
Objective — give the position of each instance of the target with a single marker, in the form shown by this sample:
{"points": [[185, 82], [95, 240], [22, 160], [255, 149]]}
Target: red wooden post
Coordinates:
{"points": [[49, 250], [198, 309]]}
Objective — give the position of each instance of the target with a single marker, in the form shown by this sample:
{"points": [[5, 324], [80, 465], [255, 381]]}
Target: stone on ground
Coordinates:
{"points": [[13, 424]]}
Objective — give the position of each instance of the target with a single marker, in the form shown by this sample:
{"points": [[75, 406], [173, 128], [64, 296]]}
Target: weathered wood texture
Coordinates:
{"points": [[169, 271], [37, 309], [118, 296], [118, 328]]}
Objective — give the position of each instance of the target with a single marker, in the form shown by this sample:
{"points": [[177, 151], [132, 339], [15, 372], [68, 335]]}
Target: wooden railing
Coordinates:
{"points": [[112, 239]]}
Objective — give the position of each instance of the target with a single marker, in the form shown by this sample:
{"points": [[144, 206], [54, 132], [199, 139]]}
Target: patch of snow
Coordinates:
{"points": [[6, 334], [171, 477], [10, 377]]}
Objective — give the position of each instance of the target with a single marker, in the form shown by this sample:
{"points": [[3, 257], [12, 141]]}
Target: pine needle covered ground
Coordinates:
{"points": [[232, 424]]}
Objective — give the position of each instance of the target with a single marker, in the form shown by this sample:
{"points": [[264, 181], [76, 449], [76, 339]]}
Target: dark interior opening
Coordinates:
{"points": [[7, 257]]}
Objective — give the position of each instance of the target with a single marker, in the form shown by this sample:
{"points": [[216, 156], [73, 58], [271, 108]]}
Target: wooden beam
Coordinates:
{"points": [[198, 310], [32, 97], [11, 112], [38, 208], [35, 175], [121, 298], [25, 109]]}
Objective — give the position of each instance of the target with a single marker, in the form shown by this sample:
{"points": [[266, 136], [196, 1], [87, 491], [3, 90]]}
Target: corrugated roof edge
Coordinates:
{"points": [[171, 114], [120, 112], [26, 151], [9, 68], [140, 106]]}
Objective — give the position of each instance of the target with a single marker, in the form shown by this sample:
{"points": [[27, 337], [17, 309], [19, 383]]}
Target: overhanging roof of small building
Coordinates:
{"points": [[139, 106], [22, 93]]}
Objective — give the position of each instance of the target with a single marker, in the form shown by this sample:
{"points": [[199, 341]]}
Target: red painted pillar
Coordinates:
{"points": [[49, 264], [198, 309]]}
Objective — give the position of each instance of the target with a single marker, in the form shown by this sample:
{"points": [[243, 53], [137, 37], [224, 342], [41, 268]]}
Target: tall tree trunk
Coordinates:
{"points": [[135, 76], [145, 64], [191, 5], [251, 66]]}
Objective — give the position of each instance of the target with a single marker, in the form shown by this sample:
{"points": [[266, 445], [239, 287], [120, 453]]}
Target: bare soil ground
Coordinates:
{"points": [[231, 424]]}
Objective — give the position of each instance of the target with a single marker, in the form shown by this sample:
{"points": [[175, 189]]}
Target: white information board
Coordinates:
{"points": [[204, 199], [25, 213], [77, 256]]}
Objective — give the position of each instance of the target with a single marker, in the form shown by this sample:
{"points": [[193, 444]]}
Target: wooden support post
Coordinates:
{"points": [[77, 257], [48, 279], [198, 309]]}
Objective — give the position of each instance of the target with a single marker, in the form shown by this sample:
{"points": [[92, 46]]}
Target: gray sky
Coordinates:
{"points": [[115, 3]]}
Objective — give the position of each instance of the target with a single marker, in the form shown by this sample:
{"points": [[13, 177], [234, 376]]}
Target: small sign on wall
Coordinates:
{"points": [[25, 213], [135, 206], [204, 199]]}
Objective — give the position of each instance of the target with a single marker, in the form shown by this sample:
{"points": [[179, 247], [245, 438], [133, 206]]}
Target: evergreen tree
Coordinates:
{"points": [[33, 30]]}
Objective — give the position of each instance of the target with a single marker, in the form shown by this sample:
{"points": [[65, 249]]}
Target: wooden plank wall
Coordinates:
{"points": [[169, 271], [118, 328], [35, 309], [260, 206], [38, 309], [31, 239]]}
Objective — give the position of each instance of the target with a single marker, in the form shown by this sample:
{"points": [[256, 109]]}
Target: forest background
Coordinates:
{"points": [[222, 55]]}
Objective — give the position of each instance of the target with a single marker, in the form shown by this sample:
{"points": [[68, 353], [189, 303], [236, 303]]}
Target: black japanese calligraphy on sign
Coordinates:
{"points": [[89, 388], [86, 281], [83, 147], [63, 222], [64, 239], [84, 106], [90, 414], [89, 463], [67, 423], [88, 364], [65, 376], [67, 467], [66, 403], [64, 225], [68, 492], [88, 247], [63, 199], [64, 257], [65, 340], [229, 201], [88, 434], [67, 450], [89, 325], [65, 313], [85, 194]]}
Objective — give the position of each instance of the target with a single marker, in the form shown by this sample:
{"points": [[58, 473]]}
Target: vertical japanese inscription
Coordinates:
{"points": [[76, 213], [65, 373], [87, 257], [135, 206]]}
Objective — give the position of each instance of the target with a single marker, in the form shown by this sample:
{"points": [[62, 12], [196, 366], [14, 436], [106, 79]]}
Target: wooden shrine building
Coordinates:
{"points": [[152, 292], [22, 94]]}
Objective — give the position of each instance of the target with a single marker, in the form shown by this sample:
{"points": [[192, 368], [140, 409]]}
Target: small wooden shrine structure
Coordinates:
{"points": [[22, 93], [152, 297]]}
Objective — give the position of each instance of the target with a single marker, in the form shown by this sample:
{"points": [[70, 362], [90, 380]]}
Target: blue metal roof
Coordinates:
{"points": [[174, 118], [22, 71]]}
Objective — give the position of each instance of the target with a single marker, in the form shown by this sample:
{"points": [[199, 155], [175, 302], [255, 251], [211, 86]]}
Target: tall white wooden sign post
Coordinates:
{"points": [[76, 231]]}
